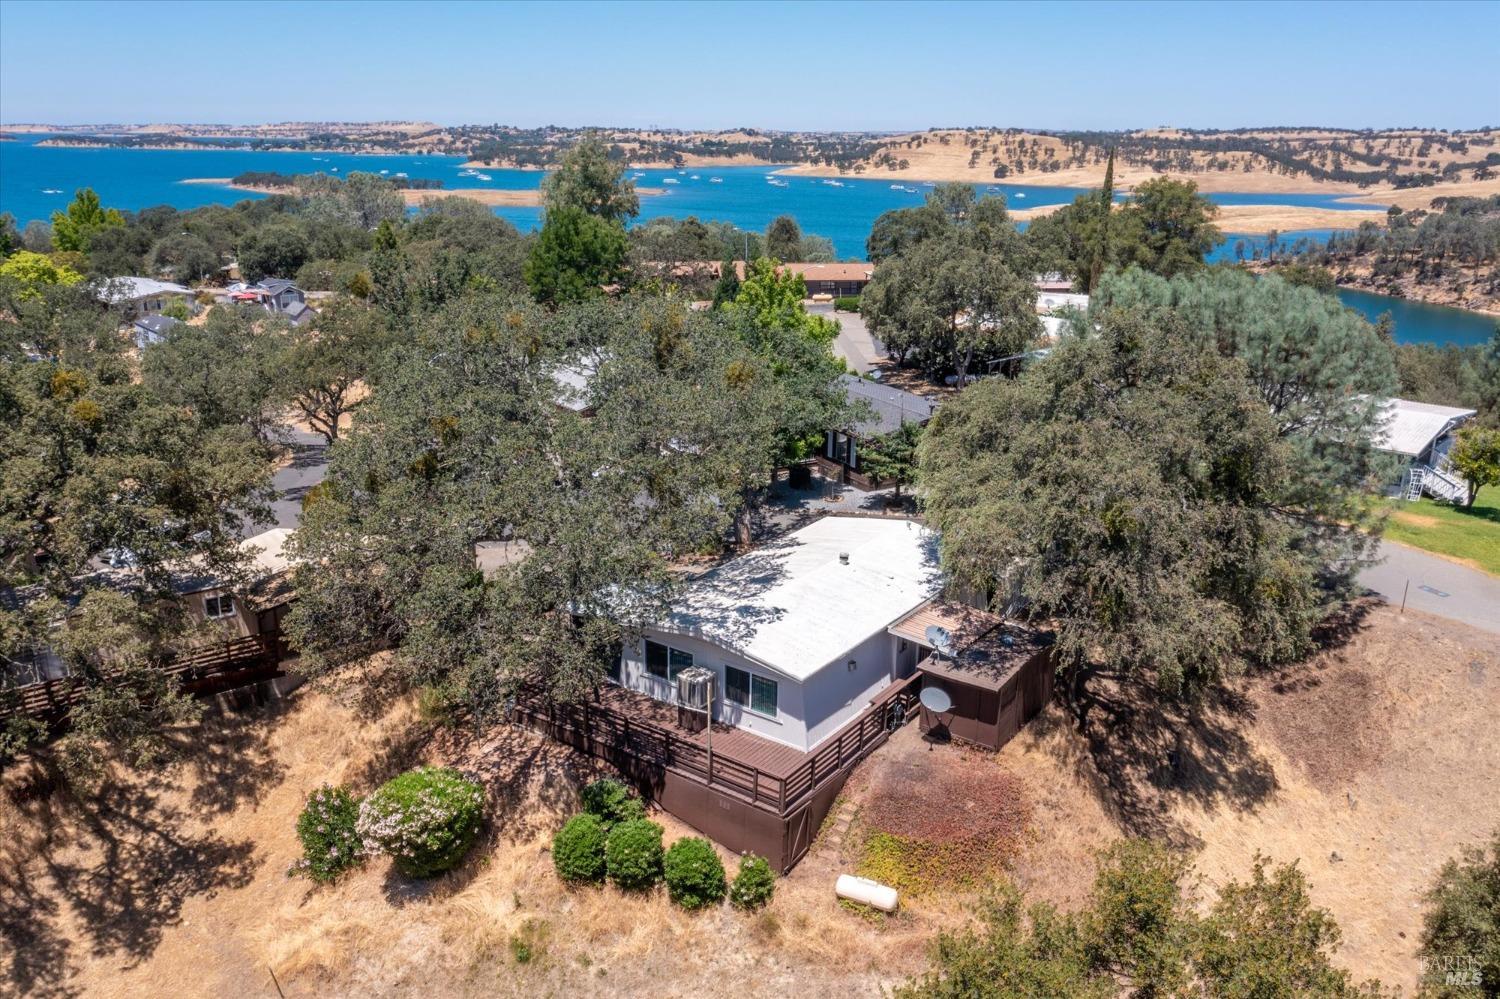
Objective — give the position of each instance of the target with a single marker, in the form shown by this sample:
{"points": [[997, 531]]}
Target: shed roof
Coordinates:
{"points": [[794, 606], [275, 286], [1410, 428], [986, 650], [891, 406]]}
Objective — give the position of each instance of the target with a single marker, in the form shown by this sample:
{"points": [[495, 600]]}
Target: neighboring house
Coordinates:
{"points": [[833, 280], [300, 313], [226, 614], [1052, 281], [150, 329], [795, 632], [1422, 435], [139, 296], [887, 408], [279, 294]]}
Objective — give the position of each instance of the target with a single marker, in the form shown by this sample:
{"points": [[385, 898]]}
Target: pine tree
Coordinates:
{"points": [[1106, 204]]}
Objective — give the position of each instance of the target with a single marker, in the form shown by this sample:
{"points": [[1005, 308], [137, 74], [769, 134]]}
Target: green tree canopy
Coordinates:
{"points": [[462, 442], [1134, 488], [575, 256], [784, 238], [1476, 457], [588, 179], [72, 229]]}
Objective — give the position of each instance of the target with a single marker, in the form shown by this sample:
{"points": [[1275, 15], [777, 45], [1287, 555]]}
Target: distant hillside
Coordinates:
{"points": [[1262, 159]]}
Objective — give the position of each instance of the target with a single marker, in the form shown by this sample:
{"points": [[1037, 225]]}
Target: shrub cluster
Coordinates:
{"points": [[633, 854], [611, 802], [578, 850], [754, 885], [694, 873], [846, 303], [331, 844], [425, 819]]}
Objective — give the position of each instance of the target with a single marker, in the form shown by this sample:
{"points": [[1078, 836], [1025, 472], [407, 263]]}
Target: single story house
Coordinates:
{"points": [[888, 408], [150, 329], [223, 614], [833, 280], [278, 294], [795, 633], [1422, 435], [141, 296], [1053, 281]]}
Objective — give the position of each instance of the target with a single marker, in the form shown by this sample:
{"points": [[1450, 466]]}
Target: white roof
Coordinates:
{"points": [[794, 607], [1411, 427], [128, 289], [267, 551]]}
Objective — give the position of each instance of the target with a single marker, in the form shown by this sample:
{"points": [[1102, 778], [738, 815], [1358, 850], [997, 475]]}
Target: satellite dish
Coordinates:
{"points": [[939, 638], [936, 700]]}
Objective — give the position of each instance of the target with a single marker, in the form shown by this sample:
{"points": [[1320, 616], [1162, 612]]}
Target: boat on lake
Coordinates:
{"points": [[671, 180], [468, 173], [716, 180]]}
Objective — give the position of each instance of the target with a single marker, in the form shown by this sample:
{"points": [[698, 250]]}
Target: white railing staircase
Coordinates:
{"points": [[1437, 482]]}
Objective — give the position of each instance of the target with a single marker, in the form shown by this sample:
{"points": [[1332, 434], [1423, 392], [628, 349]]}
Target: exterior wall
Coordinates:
{"points": [[838, 289], [242, 623], [836, 694], [807, 712], [152, 305], [788, 727]]}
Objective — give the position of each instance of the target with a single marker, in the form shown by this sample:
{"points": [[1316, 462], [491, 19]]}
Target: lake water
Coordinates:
{"points": [[133, 179], [1418, 322]]}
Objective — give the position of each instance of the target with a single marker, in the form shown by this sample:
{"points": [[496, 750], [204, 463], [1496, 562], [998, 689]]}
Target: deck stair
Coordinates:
{"points": [[1439, 483]]}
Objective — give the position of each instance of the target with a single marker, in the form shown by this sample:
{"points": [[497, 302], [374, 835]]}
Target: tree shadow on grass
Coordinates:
{"points": [[120, 864]]}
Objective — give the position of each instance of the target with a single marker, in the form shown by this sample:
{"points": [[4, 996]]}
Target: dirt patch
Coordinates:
{"points": [[1414, 519]]}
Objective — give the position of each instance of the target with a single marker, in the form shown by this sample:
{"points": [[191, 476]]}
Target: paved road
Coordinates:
{"points": [[855, 343], [308, 466], [1436, 586]]}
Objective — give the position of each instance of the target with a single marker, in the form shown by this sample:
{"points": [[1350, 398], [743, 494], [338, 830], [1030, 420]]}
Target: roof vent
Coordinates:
{"points": [[843, 558]]}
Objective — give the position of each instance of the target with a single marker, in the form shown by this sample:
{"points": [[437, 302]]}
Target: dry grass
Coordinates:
{"points": [[1380, 752]]}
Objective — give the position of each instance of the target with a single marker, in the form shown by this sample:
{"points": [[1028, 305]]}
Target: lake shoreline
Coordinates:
{"points": [[415, 196]]}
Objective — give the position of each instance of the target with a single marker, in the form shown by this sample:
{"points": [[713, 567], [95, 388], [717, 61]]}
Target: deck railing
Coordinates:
{"points": [[612, 734], [206, 669]]}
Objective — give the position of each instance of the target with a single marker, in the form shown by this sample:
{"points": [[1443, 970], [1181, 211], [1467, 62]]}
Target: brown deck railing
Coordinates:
{"points": [[207, 669], [612, 734]]}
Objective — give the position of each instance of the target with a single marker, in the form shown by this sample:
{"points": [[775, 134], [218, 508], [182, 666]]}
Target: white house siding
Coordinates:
{"points": [[835, 694], [788, 727], [807, 712]]}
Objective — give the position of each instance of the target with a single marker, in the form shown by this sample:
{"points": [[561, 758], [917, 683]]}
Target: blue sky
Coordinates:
{"points": [[768, 65]]}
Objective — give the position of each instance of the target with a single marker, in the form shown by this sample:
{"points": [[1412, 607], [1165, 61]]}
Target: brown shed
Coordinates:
{"points": [[998, 677]]}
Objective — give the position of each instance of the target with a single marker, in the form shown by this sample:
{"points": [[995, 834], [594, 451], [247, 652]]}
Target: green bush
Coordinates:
{"points": [[1461, 929], [612, 802], [330, 843], [694, 873], [846, 303], [425, 819], [578, 849], [633, 854], [754, 885]]}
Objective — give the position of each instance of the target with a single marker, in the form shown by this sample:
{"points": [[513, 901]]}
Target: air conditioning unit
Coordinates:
{"points": [[694, 688]]}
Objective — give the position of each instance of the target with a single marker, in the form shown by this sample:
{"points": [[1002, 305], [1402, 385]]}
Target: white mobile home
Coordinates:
{"points": [[796, 632], [1421, 435]]}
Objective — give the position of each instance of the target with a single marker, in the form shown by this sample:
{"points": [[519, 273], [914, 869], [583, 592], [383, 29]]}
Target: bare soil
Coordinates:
{"points": [[1370, 766]]}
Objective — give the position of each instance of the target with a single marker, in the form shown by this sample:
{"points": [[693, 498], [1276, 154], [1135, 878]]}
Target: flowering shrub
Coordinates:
{"points": [[425, 819], [330, 843], [632, 855], [754, 885], [612, 802], [578, 849], [694, 873]]}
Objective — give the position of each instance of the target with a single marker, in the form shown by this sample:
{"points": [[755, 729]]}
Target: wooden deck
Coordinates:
{"points": [[643, 738]]}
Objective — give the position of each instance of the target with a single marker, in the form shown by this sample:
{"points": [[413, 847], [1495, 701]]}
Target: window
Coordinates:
{"points": [[219, 606], [665, 662], [763, 696], [751, 691], [736, 686]]}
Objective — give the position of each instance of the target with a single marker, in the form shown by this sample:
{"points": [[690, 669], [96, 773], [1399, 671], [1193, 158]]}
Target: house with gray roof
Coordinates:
{"points": [[150, 329], [880, 409]]}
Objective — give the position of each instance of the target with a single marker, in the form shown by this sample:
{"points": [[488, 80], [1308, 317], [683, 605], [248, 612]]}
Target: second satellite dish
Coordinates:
{"points": [[935, 700]]}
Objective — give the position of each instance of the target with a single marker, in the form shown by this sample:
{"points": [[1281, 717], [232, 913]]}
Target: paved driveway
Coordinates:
{"points": [[308, 466], [1436, 586], [855, 343]]}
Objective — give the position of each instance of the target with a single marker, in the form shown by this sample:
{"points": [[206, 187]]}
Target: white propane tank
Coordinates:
{"points": [[871, 893]]}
